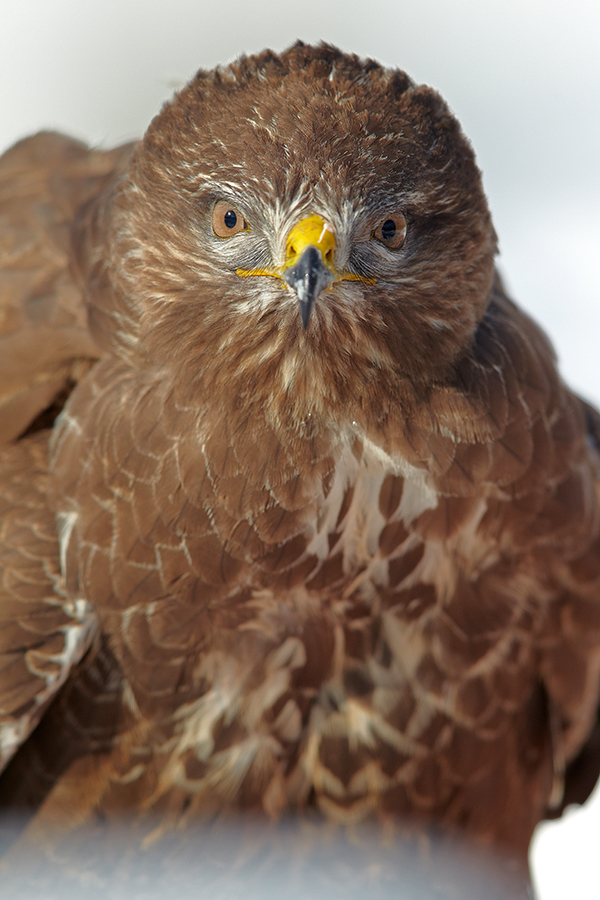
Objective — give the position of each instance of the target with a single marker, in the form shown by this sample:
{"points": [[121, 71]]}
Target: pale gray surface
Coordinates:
{"points": [[523, 77], [250, 861]]}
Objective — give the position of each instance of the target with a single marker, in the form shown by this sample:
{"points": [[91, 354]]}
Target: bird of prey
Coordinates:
{"points": [[296, 512]]}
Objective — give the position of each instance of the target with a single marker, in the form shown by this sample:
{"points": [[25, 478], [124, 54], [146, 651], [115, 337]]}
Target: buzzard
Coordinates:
{"points": [[296, 512]]}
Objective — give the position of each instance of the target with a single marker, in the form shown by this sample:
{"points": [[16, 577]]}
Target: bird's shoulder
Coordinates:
{"points": [[45, 344]]}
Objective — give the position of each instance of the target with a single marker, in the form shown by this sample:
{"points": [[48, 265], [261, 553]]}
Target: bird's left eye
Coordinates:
{"points": [[392, 231], [227, 220]]}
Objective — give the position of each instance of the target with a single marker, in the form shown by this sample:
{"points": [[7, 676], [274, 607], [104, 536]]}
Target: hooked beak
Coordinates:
{"points": [[309, 262]]}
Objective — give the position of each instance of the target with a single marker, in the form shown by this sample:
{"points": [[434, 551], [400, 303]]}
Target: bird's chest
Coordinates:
{"points": [[314, 561], [202, 541], [313, 552], [303, 643], [284, 627]]}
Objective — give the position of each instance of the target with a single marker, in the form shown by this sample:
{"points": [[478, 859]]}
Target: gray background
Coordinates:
{"points": [[523, 78]]}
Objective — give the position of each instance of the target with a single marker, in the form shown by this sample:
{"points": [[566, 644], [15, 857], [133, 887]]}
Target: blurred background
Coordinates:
{"points": [[521, 75]]}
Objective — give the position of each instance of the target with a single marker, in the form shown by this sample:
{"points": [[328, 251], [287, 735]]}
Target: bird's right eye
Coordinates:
{"points": [[227, 220]]}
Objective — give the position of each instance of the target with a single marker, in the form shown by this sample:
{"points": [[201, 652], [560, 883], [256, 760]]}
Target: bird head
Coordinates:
{"points": [[308, 229]]}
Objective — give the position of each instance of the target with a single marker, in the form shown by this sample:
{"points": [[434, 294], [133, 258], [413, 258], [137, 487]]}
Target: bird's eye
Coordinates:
{"points": [[227, 220], [392, 231]]}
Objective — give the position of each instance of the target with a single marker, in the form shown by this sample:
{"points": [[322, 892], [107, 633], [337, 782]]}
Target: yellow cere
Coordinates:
{"points": [[313, 231]]}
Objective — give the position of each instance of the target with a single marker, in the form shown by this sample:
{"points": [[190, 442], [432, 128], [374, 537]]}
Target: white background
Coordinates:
{"points": [[524, 79]]}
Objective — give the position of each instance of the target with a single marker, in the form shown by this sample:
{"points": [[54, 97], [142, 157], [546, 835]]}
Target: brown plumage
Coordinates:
{"points": [[320, 525]]}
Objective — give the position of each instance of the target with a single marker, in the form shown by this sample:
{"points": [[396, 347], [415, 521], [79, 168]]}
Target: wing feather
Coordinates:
{"points": [[43, 633]]}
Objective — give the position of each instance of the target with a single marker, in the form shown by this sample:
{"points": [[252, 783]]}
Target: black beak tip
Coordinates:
{"points": [[305, 308], [308, 278]]}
